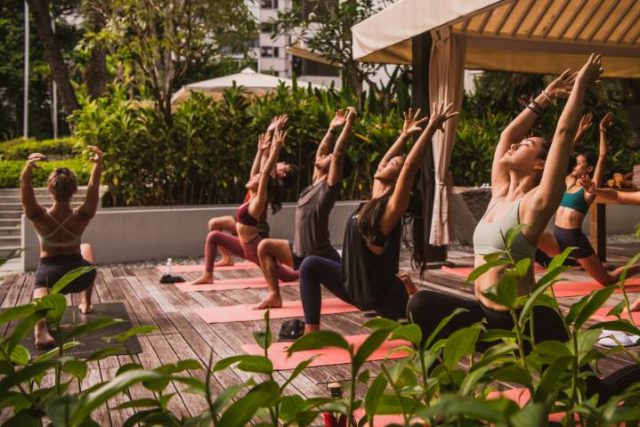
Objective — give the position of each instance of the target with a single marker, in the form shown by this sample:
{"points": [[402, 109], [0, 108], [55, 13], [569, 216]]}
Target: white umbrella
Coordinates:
{"points": [[256, 83]]}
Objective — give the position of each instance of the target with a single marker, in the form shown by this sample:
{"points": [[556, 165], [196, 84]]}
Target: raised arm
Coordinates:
{"points": [[609, 194], [325, 145], [399, 200], [520, 127], [27, 196], [598, 173], [90, 205], [552, 185], [263, 146], [411, 126], [585, 123], [259, 203], [340, 149], [278, 125]]}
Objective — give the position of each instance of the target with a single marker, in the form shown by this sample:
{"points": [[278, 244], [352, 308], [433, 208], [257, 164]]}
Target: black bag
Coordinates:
{"points": [[291, 329], [168, 278]]}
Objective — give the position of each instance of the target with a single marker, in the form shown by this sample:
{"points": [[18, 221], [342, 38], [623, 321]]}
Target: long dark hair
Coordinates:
{"points": [[369, 220]]}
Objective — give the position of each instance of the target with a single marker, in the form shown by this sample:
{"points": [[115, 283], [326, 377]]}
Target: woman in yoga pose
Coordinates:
{"points": [[526, 189], [368, 277], [611, 195], [264, 190], [573, 208], [60, 231], [283, 171], [312, 211]]}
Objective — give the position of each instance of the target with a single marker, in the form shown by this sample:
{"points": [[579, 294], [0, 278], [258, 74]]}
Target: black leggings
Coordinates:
{"points": [[427, 308], [316, 270]]}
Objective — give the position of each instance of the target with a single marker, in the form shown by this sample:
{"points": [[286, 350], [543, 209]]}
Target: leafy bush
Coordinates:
{"points": [[429, 385], [10, 171], [205, 154], [19, 149]]}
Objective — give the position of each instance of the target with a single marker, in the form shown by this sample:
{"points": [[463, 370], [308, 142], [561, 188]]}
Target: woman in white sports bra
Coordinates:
{"points": [[527, 186], [60, 231]]}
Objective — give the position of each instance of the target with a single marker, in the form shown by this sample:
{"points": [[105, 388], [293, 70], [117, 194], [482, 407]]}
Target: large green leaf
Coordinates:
{"points": [[594, 302], [9, 314], [411, 333], [247, 363], [55, 304], [461, 343], [77, 368], [241, 411], [371, 344], [134, 331], [94, 325], [20, 355], [227, 394], [99, 395], [443, 323], [72, 275], [319, 339], [374, 393], [530, 416]]}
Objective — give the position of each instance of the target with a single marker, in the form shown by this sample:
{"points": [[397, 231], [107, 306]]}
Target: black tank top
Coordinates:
{"points": [[364, 273]]}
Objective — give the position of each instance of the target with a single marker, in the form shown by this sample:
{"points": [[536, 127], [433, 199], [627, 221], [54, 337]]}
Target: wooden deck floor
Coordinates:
{"points": [[182, 334]]}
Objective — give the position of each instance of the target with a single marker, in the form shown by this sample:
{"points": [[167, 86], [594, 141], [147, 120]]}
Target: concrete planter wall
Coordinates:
{"points": [[122, 235]]}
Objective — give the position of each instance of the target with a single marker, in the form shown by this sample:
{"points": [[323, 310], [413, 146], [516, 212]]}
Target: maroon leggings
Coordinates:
{"points": [[248, 251]]}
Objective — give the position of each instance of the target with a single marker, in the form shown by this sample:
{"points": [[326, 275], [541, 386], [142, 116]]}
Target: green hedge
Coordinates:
{"points": [[10, 171], [19, 149]]}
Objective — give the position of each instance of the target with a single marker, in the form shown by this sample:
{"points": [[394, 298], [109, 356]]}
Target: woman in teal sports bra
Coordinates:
{"points": [[60, 231], [575, 203]]}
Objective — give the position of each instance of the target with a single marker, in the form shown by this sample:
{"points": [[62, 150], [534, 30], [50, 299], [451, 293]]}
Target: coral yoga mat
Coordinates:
{"points": [[228, 284]]}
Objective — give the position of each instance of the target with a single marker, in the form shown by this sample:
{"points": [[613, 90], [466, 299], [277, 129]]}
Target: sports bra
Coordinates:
{"points": [[488, 236], [244, 217], [44, 240], [575, 201]]}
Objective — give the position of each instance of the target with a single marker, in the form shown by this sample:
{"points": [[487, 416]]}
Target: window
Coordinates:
{"points": [[269, 4], [269, 52]]}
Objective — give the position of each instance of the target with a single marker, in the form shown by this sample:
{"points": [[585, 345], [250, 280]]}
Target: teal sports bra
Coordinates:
{"points": [[575, 201]]}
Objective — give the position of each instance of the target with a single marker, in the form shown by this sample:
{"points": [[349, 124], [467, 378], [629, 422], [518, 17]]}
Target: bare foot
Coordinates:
{"points": [[85, 308], [308, 328], [224, 262], [206, 278], [43, 339], [408, 283], [271, 301]]}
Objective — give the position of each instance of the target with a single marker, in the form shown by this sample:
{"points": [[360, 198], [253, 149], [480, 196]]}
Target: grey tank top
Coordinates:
{"points": [[312, 219], [488, 236]]}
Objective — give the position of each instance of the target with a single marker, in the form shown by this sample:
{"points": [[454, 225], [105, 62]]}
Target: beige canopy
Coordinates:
{"points": [[535, 36]]}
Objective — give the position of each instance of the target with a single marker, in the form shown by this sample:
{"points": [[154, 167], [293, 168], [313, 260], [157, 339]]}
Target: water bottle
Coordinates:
{"points": [[169, 267]]}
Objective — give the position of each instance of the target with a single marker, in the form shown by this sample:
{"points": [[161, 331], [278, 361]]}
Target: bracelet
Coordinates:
{"points": [[546, 95], [535, 107]]}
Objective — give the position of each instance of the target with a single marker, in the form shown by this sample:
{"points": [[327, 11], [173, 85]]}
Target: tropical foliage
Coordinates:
{"points": [[439, 381]]}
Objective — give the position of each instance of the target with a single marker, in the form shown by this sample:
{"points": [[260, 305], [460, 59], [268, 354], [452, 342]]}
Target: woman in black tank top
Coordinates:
{"points": [[368, 276]]}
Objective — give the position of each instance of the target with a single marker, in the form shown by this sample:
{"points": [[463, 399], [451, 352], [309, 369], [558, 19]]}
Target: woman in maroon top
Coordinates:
{"points": [[264, 190]]}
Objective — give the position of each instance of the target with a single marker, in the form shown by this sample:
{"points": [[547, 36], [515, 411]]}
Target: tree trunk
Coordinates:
{"points": [[96, 73], [53, 53]]}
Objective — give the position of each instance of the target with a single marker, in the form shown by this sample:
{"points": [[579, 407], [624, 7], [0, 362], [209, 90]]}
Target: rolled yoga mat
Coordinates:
{"points": [[325, 356], [246, 312]]}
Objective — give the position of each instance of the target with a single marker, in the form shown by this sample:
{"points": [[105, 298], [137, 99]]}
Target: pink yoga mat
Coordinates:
{"points": [[521, 396], [577, 289], [325, 356], [198, 268], [601, 315], [227, 284], [245, 312], [465, 271]]}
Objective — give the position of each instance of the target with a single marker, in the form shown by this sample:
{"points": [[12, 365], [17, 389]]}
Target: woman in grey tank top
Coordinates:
{"points": [[312, 211]]}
